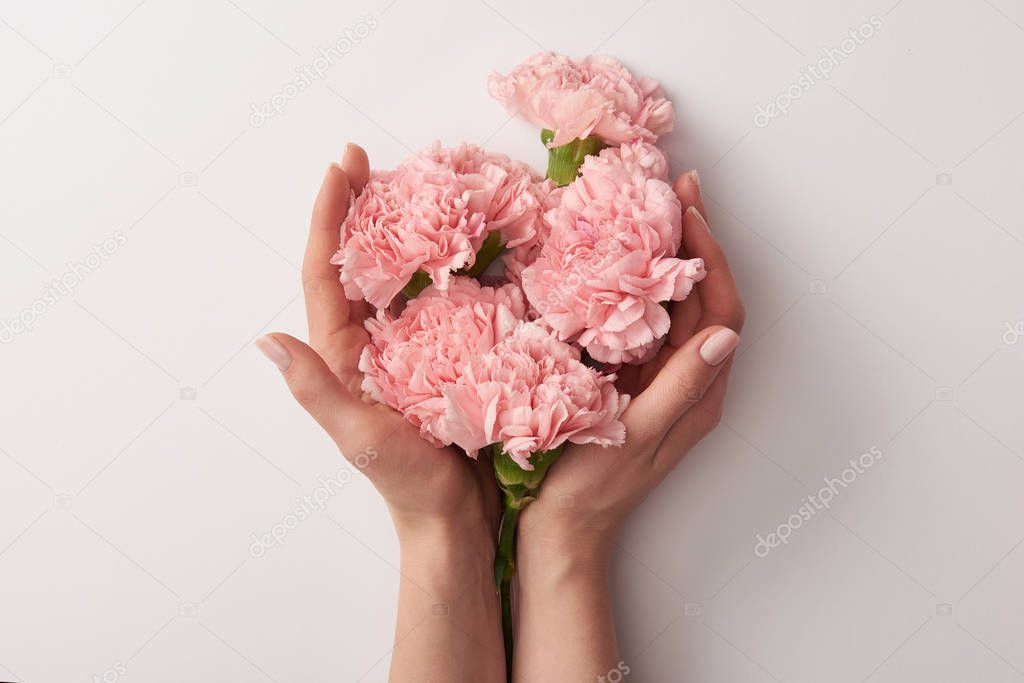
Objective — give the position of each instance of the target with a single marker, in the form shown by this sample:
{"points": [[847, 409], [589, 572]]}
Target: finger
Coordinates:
{"points": [[356, 165], [686, 315], [687, 188], [719, 298], [327, 308], [697, 423], [314, 386], [680, 384]]}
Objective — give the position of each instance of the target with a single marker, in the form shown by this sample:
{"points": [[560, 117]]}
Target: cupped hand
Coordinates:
{"points": [[423, 486], [677, 401]]}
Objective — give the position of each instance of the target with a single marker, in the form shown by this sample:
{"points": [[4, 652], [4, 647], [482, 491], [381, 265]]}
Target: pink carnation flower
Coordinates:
{"points": [[517, 258], [609, 262], [514, 196], [531, 393], [433, 213], [612, 167], [579, 97], [412, 357]]}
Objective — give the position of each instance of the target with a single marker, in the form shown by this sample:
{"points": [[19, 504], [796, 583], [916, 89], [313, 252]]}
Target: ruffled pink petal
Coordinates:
{"points": [[608, 262], [531, 393], [433, 213], [579, 97]]}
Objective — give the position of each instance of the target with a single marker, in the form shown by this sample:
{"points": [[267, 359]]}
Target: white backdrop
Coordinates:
{"points": [[875, 229]]}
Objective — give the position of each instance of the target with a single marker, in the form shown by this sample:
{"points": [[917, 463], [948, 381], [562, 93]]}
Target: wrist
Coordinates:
{"points": [[565, 607], [416, 527], [550, 554], [442, 556], [448, 620]]}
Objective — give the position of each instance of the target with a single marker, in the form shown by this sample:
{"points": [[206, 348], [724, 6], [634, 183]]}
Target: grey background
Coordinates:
{"points": [[875, 229]]}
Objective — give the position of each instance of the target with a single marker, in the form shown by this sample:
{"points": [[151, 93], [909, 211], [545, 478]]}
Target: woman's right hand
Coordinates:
{"points": [[444, 505], [423, 485]]}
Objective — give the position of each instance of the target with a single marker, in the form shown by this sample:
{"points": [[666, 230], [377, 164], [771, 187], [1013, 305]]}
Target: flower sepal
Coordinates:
{"points": [[520, 486], [564, 161]]}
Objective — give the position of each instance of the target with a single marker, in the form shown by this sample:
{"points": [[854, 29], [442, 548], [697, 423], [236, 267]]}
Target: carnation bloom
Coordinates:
{"points": [[432, 214], [514, 196], [606, 170], [517, 258], [412, 356], [609, 262], [576, 98], [529, 394]]}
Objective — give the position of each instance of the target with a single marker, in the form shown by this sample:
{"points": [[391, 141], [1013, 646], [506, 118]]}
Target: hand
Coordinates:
{"points": [[444, 505], [566, 534], [422, 485]]}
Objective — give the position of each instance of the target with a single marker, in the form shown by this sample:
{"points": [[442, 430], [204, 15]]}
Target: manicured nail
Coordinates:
{"points": [[695, 178], [718, 346], [700, 219], [278, 355], [348, 158]]}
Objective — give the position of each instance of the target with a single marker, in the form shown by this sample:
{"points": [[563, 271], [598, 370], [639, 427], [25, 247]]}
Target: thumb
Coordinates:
{"points": [[681, 382], [312, 383]]}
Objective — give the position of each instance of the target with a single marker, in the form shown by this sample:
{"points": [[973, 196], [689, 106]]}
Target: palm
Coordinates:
{"points": [[411, 474], [582, 473], [421, 479]]}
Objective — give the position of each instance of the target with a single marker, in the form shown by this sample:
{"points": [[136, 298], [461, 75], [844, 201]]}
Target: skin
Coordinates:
{"points": [[564, 628], [445, 506]]}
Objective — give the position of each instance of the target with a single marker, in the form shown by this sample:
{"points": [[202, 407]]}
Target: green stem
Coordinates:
{"points": [[489, 251], [504, 570], [504, 563], [521, 487], [417, 283], [564, 162]]}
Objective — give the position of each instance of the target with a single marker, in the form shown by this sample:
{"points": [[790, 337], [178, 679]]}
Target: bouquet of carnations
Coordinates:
{"points": [[505, 302]]}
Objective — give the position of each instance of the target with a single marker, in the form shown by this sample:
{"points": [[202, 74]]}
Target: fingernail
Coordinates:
{"points": [[332, 165], [348, 158], [718, 346], [696, 214], [695, 178], [277, 354]]}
